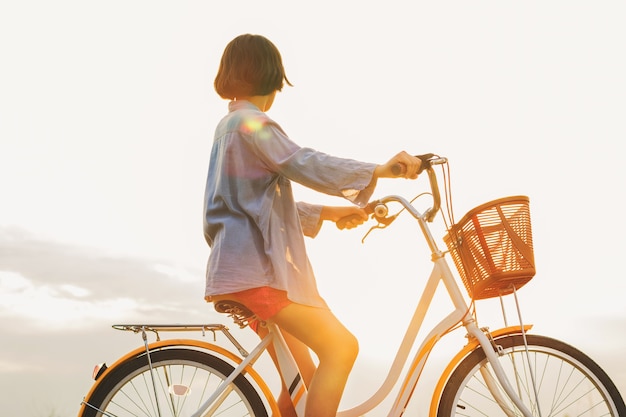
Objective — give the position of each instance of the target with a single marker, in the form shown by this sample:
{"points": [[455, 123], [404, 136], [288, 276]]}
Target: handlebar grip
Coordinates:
{"points": [[399, 169], [341, 223]]}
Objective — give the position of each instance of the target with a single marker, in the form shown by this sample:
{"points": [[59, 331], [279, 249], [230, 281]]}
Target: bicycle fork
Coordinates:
{"points": [[492, 358], [479, 335]]}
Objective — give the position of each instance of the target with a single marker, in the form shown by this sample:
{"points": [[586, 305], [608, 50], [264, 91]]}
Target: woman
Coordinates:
{"points": [[256, 229]]}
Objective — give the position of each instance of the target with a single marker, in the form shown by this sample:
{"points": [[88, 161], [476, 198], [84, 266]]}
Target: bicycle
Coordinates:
{"points": [[504, 372]]}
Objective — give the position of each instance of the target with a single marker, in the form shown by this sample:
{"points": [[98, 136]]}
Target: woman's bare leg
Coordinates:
{"points": [[335, 347], [302, 356]]}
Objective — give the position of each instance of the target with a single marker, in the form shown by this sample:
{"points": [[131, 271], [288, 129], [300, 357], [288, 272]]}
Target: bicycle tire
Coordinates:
{"points": [[184, 379], [567, 381]]}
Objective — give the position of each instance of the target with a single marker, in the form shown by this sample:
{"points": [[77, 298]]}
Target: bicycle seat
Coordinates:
{"points": [[241, 315]]}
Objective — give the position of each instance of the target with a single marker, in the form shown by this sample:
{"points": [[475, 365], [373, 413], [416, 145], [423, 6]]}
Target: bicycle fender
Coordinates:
{"points": [[190, 343], [467, 349]]}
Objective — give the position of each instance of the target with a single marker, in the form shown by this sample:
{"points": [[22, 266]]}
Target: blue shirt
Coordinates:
{"points": [[251, 221]]}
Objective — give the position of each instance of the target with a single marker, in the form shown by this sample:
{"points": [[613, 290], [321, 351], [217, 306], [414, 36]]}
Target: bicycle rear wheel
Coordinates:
{"points": [[180, 381], [566, 382]]}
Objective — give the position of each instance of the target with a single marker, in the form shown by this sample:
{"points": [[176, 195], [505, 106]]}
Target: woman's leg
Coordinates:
{"points": [[302, 356], [335, 347]]}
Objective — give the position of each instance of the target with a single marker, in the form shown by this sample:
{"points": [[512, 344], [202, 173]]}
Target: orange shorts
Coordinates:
{"points": [[264, 302]]}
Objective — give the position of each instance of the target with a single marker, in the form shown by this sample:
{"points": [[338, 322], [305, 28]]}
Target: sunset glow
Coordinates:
{"points": [[107, 111]]}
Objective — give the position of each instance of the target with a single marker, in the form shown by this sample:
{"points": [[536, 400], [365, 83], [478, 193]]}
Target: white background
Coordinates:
{"points": [[106, 120]]}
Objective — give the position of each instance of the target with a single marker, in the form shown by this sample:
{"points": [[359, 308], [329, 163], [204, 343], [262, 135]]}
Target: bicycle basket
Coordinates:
{"points": [[492, 247]]}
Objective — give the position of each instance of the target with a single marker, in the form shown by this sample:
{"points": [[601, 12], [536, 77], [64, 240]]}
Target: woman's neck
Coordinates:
{"points": [[262, 102]]}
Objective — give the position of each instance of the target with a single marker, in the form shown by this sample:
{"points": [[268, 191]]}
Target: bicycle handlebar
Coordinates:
{"points": [[430, 214], [428, 161], [398, 169]]}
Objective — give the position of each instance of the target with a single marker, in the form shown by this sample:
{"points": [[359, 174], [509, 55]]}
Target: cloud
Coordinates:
{"points": [[57, 305], [54, 307], [54, 286]]}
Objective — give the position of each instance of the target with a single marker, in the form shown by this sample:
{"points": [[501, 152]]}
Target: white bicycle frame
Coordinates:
{"points": [[440, 273]]}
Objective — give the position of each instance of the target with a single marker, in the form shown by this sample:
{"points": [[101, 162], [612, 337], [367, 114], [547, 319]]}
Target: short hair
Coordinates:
{"points": [[251, 66]]}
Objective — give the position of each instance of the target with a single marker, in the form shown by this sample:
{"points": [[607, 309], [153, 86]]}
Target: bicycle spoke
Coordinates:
{"points": [[567, 383], [183, 381]]}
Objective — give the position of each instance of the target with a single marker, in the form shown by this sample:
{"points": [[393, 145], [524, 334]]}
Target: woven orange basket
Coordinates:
{"points": [[492, 247]]}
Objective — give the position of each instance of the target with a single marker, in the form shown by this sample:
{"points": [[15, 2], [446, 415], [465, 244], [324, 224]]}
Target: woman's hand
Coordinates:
{"points": [[346, 217], [409, 167]]}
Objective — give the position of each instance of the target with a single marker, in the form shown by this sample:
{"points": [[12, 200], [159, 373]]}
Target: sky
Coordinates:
{"points": [[106, 119]]}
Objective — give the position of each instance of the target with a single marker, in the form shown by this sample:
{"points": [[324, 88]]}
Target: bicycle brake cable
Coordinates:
{"points": [[383, 222]]}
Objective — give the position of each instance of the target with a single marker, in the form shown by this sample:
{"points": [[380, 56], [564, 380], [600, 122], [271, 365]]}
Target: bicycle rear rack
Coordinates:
{"points": [[204, 328]]}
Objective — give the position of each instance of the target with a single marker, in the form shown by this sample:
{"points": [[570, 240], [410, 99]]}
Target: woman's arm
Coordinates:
{"points": [[312, 216]]}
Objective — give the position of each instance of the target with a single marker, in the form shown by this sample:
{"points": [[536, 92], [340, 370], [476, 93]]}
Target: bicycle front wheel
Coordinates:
{"points": [[179, 382], [551, 378]]}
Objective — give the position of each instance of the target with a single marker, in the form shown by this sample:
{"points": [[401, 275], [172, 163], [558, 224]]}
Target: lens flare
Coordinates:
{"points": [[255, 126]]}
